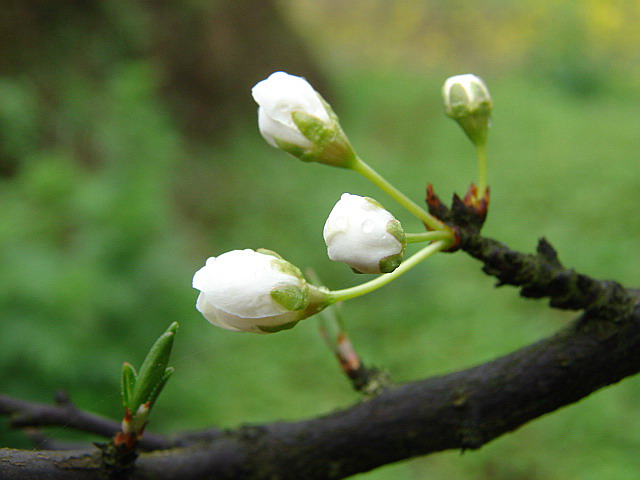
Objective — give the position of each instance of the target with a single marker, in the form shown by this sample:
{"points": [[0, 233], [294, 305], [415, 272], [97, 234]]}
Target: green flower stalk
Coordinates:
{"points": [[294, 117], [256, 291], [335, 296], [429, 221]]}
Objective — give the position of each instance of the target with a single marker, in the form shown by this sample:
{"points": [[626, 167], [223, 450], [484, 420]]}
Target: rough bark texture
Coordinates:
{"points": [[462, 410], [234, 45]]}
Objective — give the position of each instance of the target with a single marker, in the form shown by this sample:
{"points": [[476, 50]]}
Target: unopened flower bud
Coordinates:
{"points": [[254, 291], [294, 117], [365, 236], [467, 100]]}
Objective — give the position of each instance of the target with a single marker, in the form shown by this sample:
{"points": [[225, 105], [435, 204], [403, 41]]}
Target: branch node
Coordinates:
{"points": [[118, 460], [547, 253], [465, 217]]}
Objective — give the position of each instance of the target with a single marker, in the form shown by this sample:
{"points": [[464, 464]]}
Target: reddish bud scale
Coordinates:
{"points": [[347, 355], [465, 215], [126, 440]]}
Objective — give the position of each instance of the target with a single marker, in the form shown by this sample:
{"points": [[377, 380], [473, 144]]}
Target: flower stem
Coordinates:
{"points": [[427, 236], [481, 150], [347, 293], [431, 222]]}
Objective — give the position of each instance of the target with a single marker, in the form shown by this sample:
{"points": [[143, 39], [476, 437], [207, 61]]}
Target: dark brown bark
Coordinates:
{"points": [[64, 413], [462, 410]]}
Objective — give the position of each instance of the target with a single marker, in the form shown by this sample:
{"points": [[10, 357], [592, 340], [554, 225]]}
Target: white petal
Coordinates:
{"points": [[270, 129], [356, 233], [467, 81], [236, 290], [280, 95], [214, 316]]}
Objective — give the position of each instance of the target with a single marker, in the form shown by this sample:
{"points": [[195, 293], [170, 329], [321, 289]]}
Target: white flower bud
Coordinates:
{"points": [[280, 95], [250, 291], [294, 117], [467, 100], [365, 236]]}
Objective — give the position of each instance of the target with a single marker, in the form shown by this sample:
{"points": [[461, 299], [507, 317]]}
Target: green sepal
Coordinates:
{"points": [[390, 263], [128, 384], [154, 366], [291, 297], [338, 153], [160, 385], [287, 268], [476, 126], [394, 228], [296, 151], [330, 145], [470, 105], [458, 101], [277, 328], [374, 202], [318, 301], [327, 107], [266, 251], [316, 130]]}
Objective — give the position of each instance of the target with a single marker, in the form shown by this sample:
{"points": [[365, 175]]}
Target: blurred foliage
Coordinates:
{"points": [[109, 206], [577, 43]]}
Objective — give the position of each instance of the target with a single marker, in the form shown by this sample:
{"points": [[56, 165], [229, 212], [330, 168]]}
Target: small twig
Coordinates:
{"points": [[65, 414], [45, 442], [538, 275], [368, 381], [461, 410]]}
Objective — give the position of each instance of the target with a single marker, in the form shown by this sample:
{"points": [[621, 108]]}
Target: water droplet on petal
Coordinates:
{"points": [[341, 223], [367, 226]]}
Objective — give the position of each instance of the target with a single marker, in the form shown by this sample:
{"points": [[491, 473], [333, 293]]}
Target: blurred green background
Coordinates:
{"points": [[129, 153]]}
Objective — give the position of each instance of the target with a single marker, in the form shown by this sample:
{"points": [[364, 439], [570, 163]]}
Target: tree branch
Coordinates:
{"points": [[462, 410], [540, 275], [65, 414]]}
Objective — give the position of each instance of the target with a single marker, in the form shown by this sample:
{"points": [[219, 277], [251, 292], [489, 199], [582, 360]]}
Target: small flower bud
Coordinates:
{"points": [[254, 291], [467, 100], [365, 236], [294, 117]]}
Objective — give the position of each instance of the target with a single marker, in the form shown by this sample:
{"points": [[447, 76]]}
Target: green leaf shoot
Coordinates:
{"points": [[128, 384], [159, 386], [153, 367]]}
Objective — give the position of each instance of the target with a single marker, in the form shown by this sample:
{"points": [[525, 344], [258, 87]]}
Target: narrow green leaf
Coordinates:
{"points": [[154, 366], [128, 384], [159, 386]]}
